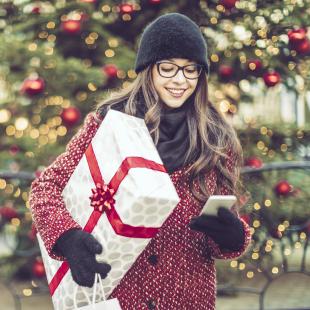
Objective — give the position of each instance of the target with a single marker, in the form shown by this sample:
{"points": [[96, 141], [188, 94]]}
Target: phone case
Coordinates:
{"points": [[216, 201]]}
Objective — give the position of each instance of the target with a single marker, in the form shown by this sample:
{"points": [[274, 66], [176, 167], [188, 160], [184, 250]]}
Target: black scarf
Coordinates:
{"points": [[173, 132]]}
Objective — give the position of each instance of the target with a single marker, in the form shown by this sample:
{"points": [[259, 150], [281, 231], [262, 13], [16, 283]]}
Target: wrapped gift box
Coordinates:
{"points": [[121, 163]]}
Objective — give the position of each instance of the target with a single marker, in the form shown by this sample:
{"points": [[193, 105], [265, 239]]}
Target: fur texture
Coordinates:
{"points": [[171, 35]]}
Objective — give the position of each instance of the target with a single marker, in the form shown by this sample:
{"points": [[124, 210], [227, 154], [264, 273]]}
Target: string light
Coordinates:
{"points": [[109, 53], [50, 25], [32, 47], [283, 147], [92, 86], [255, 256], [5, 115], [2, 184], [27, 292], [267, 203], [297, 245], [106, 8], [112, 42], [15, 222], [256, 206], [234, 263], [260, 145], [256, 223], [21, 123], [131, 74], [241, 266], [10, 130], [214, 58], [17, 193], [213, 20]]}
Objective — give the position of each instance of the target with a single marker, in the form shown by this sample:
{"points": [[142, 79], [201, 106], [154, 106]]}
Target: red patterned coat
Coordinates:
{"points": [[176, 269]]}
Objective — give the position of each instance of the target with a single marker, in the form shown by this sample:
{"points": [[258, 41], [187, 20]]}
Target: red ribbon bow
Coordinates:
{"points": [[102, 197]]}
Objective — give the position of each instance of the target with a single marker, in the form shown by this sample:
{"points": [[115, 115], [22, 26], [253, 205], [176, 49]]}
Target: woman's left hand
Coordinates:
{"points": [[226, 229]]}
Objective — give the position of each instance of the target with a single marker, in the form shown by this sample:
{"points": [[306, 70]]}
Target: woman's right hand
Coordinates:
{"points": [[80, 249]]}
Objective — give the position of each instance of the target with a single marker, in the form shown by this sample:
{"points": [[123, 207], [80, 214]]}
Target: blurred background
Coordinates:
{"points": [[60, 58]]}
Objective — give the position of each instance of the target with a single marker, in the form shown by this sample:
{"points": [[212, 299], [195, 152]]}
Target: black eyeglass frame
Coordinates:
{"points": [[200, 67]]}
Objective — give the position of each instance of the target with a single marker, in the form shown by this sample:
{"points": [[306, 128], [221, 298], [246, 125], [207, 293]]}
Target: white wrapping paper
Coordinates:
{"points": [[145, 198]]}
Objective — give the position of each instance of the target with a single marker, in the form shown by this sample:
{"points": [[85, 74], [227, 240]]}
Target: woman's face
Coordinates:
{"points": [[174, 91]]}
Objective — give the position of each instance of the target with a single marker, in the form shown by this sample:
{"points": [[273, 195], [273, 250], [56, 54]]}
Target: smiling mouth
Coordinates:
{"points": [[176, 92]]}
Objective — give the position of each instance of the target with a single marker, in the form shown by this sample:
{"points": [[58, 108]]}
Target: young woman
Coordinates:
{"points": [[202, 155]]}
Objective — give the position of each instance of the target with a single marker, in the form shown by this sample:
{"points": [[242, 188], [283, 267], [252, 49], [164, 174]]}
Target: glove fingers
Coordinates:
{"points": [[83, 277], [103, 269], [225, 215], [206, 224], [92, 244], [202, 219]]}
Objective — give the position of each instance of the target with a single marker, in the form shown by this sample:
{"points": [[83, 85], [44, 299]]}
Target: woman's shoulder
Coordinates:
{"points": [[104, 108]]}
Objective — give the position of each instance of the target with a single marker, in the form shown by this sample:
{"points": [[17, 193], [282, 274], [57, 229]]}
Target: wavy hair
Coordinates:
{"points": [[210, 133]]}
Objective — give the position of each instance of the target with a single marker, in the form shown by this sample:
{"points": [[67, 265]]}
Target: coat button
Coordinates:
{"points": [[153, 259], [151, 304]]}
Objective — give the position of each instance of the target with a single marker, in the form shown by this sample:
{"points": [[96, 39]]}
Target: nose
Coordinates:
{"points": [[179, 77]]}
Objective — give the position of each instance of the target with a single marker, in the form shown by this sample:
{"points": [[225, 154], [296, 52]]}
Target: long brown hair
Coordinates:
{"points": [[209, 132]]}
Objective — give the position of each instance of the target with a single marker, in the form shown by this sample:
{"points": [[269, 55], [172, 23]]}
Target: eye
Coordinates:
{"points": [[191, 69], [166, 67]]}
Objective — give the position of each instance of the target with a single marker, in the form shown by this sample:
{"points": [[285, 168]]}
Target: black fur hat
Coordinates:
{"points": [[171, 35]]}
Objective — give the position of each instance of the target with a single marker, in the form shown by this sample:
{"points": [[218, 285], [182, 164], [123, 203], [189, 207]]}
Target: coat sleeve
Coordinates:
{"points": [[49, 212], [216, 251]]}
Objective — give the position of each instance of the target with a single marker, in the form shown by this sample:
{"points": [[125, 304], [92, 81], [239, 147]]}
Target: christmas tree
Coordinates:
{"points": [[61, 58]]}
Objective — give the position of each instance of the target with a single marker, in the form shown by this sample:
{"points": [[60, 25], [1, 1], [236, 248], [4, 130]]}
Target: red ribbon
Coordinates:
{"points": [[119, 227]]}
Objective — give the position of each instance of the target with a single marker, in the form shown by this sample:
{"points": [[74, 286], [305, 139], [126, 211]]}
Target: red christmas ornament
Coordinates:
{"points": [[126, 8], [14, 149], [70, 116], [155, 1], [283, 188], [102, 198], [228, 4], [246, 218], [8, 213], [303, 47], [271, 78], [110, 71], [38, 269], [36, 10], [297, 35], [225, 71], [253, 162], [33, 86], [71, 26], [255, 65]]}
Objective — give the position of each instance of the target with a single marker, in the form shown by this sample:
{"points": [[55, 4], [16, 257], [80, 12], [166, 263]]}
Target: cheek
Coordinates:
{"points": [[193, 85], [156, 80]]}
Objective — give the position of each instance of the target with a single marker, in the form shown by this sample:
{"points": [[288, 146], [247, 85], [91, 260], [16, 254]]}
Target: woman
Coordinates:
{"points": [[202, 155]]}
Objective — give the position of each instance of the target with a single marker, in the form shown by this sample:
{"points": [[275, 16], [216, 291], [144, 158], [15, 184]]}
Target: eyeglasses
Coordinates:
{"points": [[169, 70]]}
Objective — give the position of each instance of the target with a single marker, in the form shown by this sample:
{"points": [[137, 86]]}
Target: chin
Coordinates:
{"points": [[174, 103]]}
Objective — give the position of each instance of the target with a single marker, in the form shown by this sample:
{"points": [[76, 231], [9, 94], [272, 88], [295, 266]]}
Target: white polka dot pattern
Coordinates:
{"points": [[175, 270]]}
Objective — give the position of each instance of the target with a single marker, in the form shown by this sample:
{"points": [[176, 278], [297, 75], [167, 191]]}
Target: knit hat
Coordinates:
{"points": [[171, 35]]}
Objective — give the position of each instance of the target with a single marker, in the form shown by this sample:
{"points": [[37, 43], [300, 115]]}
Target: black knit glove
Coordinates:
{"points": [[225, 229], [80, 249]]}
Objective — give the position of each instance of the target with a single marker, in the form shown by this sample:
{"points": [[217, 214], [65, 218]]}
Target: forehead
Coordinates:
{"points": [[180, 61]]}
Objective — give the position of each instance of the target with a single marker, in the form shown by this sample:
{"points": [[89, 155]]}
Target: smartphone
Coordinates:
{"points": [[214, 202]]}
